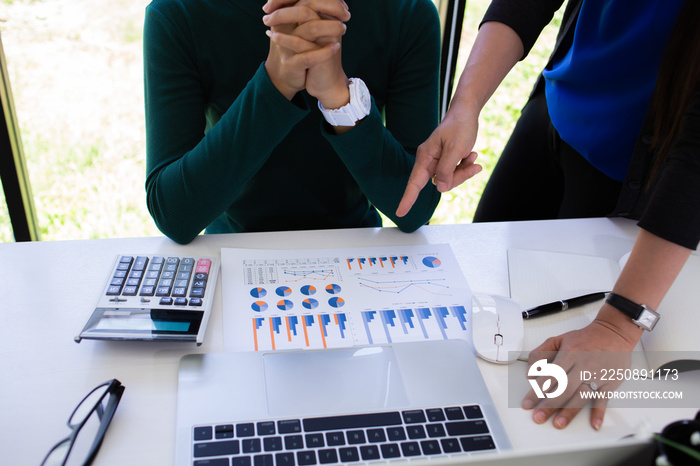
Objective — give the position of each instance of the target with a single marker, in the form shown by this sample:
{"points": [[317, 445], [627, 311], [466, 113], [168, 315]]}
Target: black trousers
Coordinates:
{"points": [[539, 176]]}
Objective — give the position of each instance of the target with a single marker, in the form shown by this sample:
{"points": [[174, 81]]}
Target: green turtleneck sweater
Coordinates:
{"points": [[226, 152]]}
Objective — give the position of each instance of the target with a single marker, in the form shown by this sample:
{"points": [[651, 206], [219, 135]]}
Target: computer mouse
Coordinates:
{"points": [[497, 328]]}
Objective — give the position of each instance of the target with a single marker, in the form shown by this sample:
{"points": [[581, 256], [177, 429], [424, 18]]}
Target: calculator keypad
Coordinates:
{"points": [[171, 281]]}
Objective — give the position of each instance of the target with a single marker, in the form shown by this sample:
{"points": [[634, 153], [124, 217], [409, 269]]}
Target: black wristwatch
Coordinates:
{"points": [[641, 315]]}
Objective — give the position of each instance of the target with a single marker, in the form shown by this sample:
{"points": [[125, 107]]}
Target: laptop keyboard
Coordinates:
{"points": [[379, 436]]}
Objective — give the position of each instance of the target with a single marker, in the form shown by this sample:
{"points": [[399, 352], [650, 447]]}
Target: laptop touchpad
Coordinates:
{"points": [[333, 381]]}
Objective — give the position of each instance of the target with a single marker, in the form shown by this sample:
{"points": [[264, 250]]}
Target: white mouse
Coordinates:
{"points": [[497, 328]]}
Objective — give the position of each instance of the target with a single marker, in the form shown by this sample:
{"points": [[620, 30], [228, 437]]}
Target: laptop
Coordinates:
{"points": [[239, 401], [380, 403]]}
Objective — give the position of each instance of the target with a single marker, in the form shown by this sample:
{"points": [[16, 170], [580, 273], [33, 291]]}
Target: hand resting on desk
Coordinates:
{"points": [[594, 348], [651, 269]]}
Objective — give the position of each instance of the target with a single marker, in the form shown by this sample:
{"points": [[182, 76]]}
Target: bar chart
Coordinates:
{"points": [[301, 331], [397, 325], [379, 262]]}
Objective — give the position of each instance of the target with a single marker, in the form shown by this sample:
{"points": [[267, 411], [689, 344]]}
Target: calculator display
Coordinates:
{"points": [[141, 324], [107, 323]]}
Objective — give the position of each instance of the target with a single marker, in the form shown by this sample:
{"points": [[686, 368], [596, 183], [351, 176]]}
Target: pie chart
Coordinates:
{"points": [[310, 303], [283, 291], [432, 262], [333, 288], [258, 292], [285, 305], [259, 306], [336, 302], [308, 290]]}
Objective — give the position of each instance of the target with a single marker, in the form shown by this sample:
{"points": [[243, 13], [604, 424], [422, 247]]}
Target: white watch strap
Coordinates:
{"points": [[343, 116], [352, 112]]}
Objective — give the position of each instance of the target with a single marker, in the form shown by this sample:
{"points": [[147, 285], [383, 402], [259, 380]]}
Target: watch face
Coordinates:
{"points": [[648, 319]]}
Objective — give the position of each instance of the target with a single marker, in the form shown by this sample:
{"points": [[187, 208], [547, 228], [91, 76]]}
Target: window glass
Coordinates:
{"points": [[75, 68]]}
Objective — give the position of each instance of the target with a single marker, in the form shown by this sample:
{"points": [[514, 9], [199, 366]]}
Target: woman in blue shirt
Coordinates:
{"points": [[612, 128]]}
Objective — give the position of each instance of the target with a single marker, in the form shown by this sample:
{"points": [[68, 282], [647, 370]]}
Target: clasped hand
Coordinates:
{"points": [[305, 38]]}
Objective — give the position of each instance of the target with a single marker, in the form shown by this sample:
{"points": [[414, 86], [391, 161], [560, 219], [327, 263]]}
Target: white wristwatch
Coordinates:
{"points": [[351, 113]]}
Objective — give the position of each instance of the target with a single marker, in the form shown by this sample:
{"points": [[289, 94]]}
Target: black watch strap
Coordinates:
{"points": [[641, 315], [624, 305]]}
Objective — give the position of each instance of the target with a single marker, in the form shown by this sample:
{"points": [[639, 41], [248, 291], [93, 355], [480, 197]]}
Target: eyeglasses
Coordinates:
{"points": [[88, 425]]}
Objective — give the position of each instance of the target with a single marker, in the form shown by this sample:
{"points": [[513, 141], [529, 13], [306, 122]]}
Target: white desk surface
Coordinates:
{"points": [[48, 290]]}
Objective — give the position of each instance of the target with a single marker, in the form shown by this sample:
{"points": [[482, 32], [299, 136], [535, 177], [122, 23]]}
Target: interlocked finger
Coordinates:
{"points": [[313, 57], [316, 29], [292, 42], [291, 15], [337, 9]]}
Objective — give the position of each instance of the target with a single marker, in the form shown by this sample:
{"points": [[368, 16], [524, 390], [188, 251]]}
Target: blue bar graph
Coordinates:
{"points": [[440, 314], [367, 317], [324, 320], [258, 321], [276, 323], [379, 262], [342, 320], [396, 259], [460, 314], [388, 318], [394, 325], [292, 322], [406, 319]]}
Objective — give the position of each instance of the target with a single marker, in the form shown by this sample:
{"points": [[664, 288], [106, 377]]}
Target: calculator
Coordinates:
{"points": [[149, 297]]}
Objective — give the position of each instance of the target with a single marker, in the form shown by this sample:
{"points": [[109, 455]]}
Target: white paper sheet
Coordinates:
{"points": [[333, 298], [540, 277]]}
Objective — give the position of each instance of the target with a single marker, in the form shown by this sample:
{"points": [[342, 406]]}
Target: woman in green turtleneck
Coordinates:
{"points": [[236, 139]]}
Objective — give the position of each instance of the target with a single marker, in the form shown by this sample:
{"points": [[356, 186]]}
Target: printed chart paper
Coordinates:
{"points": [[334, 298]]}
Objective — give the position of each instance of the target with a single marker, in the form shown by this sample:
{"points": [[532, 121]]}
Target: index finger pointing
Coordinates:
{"points": [[416, 182], [420, 174]]}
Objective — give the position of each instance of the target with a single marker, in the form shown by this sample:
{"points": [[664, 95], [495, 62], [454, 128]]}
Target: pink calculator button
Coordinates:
{"points": [[203, 265]]}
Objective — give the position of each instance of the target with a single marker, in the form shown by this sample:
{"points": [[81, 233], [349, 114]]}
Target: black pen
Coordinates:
{"points": [[562, 305]]}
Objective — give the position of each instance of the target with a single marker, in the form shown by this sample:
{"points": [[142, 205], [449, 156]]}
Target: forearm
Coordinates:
{"points": [[651, 269], [527, 17], [380, 151], [672, 209], [381, 165], [496, 50], [192, 179]]}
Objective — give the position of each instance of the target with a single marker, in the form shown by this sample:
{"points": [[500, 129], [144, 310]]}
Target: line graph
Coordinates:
{"points": [[296, 275], [429, 285]]}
